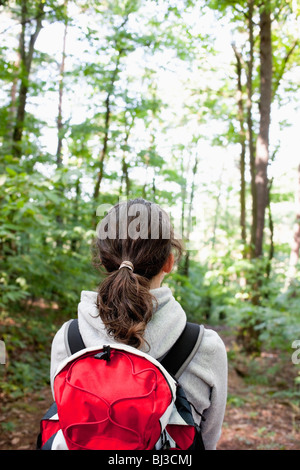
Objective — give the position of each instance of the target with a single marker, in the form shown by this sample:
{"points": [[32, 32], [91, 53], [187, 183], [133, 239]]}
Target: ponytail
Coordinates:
{"points": [[125, 305], [125, 302]]}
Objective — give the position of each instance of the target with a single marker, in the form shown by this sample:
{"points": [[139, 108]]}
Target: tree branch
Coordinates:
{"points": [[283, 67], [34, 35]]}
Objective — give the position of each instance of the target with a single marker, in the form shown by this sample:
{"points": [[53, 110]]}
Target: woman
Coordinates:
{"points": [[137, 248]]}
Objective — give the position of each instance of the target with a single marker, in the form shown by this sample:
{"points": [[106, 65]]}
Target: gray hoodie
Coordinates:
{"points": [[205, 378]]}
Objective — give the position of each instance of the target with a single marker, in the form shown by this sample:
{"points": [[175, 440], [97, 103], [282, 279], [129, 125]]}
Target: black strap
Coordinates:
{"points": [[179, 355], [74, 337], [182, 350]]}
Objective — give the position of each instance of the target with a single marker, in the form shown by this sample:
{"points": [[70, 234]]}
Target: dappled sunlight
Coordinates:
{"points": [[193, 106]]}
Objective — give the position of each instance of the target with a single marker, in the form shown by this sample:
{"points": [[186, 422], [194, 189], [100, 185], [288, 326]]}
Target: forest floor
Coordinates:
{"points": [[261, 414]]}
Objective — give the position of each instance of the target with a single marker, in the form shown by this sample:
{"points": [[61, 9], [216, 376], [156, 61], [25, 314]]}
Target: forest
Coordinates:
{"points": [[192, 105]]}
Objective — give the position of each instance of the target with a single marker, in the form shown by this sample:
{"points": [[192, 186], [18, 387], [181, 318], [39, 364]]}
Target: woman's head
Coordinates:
{"points": [[139, 232]]}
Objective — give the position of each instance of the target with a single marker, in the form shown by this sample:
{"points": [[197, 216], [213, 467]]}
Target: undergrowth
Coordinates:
{"points": [[28, 339]]}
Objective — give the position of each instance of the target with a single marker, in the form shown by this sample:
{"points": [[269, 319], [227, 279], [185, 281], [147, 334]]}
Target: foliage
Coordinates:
{"points": [[33, 257], [214, 295], [107, 99], [28, 348]]}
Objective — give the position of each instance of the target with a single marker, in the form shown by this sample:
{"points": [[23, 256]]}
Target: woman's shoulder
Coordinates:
{"points": [[58, 349], [59, 335], [212, 341], [212, 350]]}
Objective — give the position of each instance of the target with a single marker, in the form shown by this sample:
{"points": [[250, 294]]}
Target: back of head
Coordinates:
{"points": [[138, 233]]}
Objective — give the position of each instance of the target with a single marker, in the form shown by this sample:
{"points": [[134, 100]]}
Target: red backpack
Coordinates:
{"points": [[119, 398]]}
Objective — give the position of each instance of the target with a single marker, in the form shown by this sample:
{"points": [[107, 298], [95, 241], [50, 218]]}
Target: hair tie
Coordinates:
{"points": [[126, 264]]}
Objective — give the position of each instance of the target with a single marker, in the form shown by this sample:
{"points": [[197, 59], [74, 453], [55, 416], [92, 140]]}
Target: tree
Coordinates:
{"points": [[30, 14], [186, 263], [107, 118], [295, 244], [60, 125], [250, 124], [262, 23], [262, 141], [242, 133], [265, 57]]}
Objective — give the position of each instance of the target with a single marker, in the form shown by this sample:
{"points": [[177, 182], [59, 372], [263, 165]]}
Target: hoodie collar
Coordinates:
{"points": [[166, 325]]}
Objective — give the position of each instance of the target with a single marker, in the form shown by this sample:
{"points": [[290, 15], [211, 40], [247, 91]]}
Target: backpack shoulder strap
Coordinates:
{"points": [[183, 350], [73, 339], [174, 361]]}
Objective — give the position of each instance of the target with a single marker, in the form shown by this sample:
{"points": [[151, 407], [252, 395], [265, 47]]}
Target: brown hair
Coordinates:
{"points": [[140, 232]]}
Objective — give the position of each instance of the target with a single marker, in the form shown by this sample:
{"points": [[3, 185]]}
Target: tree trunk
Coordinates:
{"points": [[186, 264], [217, 209], [75, 240], [271, 228], [60, 100], [8, 138], [60, 126], [295, 245], [262, 143], [125, 178], [125, 175], [26, 55], [243, 149], [104, 147], [250, 126], [111, 87], [106, 126], [294, 258]]}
